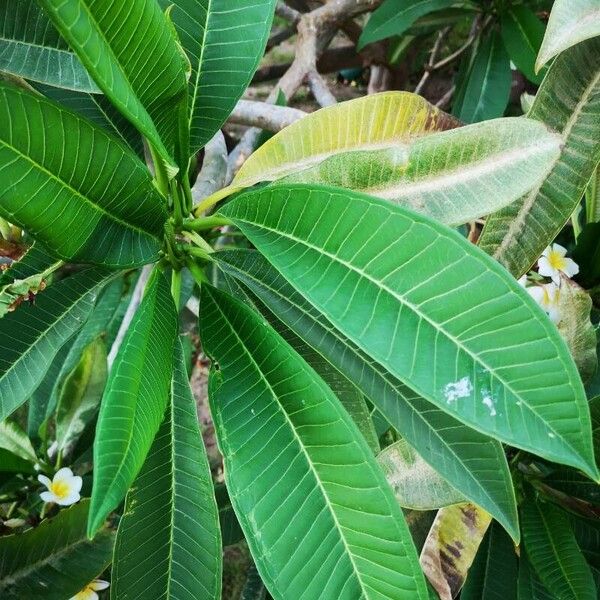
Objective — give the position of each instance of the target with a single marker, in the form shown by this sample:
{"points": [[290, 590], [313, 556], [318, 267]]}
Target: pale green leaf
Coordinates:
{"points": [[31, 336], [429, 307], [134, 401], [553, 552], [80, 396], [470, 461], [30, 47], [373, 122], [568, 102], [15, 440], [55, 560], [169, 543], [69, 184], [571, 22], [133, 57], [224, 42], [416, 485], [298, 470], [457, 532], [453, 176]]}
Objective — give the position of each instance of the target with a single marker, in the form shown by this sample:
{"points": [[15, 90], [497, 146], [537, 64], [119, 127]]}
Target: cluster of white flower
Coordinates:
{"points": [[552, 264], [89, 591]]}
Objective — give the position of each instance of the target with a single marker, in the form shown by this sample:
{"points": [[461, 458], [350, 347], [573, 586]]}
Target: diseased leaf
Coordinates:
{"points": [[31, 336], [571, 22], [374, 122], [493, 574], [522, 34], [55, 560], [451, 546], [567, 102], [134, 58], [134, 401], [30, 47], [468, 460], [80, 396], [169, 542], [487, 86], [416, 485], [224, 42], [553, 552], [71, 186], [453, 176], [378, 271], [297, 469]]}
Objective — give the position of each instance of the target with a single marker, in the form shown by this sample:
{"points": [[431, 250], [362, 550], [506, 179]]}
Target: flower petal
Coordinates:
{"points": [[76, 483], [559, 249], [547, 251], [99, 584], [545, 268], [537, 293], [68, 500], [48, 497], [571, 268], [64, 474], [45, 480]]}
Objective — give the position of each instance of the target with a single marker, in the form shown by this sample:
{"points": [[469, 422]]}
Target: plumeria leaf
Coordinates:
{"points": [[55, 560], [15, 440], [170, 512], [518, 234], [231, 532], [529, 585], [31, 336], [553, 552], [32, 48], [416, 485], [378, 271], [493, 574], [134, 401], [97, 196], [224, 42], [571, 22], [453, 176], [377, 122], [280, 429], [445, 443], [134, 59], [444, 562]]}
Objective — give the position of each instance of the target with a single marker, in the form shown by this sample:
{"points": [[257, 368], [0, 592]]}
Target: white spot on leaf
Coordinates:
{"points": [[458, 389], [487, 400]]}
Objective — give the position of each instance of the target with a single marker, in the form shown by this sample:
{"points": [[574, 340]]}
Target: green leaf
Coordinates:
{"points": [[517, 235], [393, 19], [575, 326], [31, 336], [453, 176], [451, 546], [378, 271], [416, 485], [70, 185], [15, 440], [55, 560], [169, 542], [587, 255], [587, 534], [134, 58], [529, 585], [571, 22], [487, 87], [482, 475], [224, 42], [374, 122], [493, 574], [553, 551], [522, 33], [298, 469], [30, 47], [231, 532], [11, 463], [80, 396], [134, 401]]}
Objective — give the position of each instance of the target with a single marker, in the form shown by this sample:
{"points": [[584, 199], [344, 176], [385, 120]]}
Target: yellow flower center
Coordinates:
{"points": [[556, 260], [85, 594], [60, 489]]}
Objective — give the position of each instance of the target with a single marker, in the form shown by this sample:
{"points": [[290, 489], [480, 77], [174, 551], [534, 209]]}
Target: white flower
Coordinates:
{"points": [[547, 296], [553, 261], [89, 591], [63, 489], [522, 281], [14, 523]]}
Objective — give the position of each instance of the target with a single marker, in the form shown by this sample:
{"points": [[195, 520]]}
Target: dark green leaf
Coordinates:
{"points": [[529, 585], [298, 469], [31, 336], [231, 532], [169, 542], [70, 185], [55, 560], [378, 272], [134, 402], [587, 255]]}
